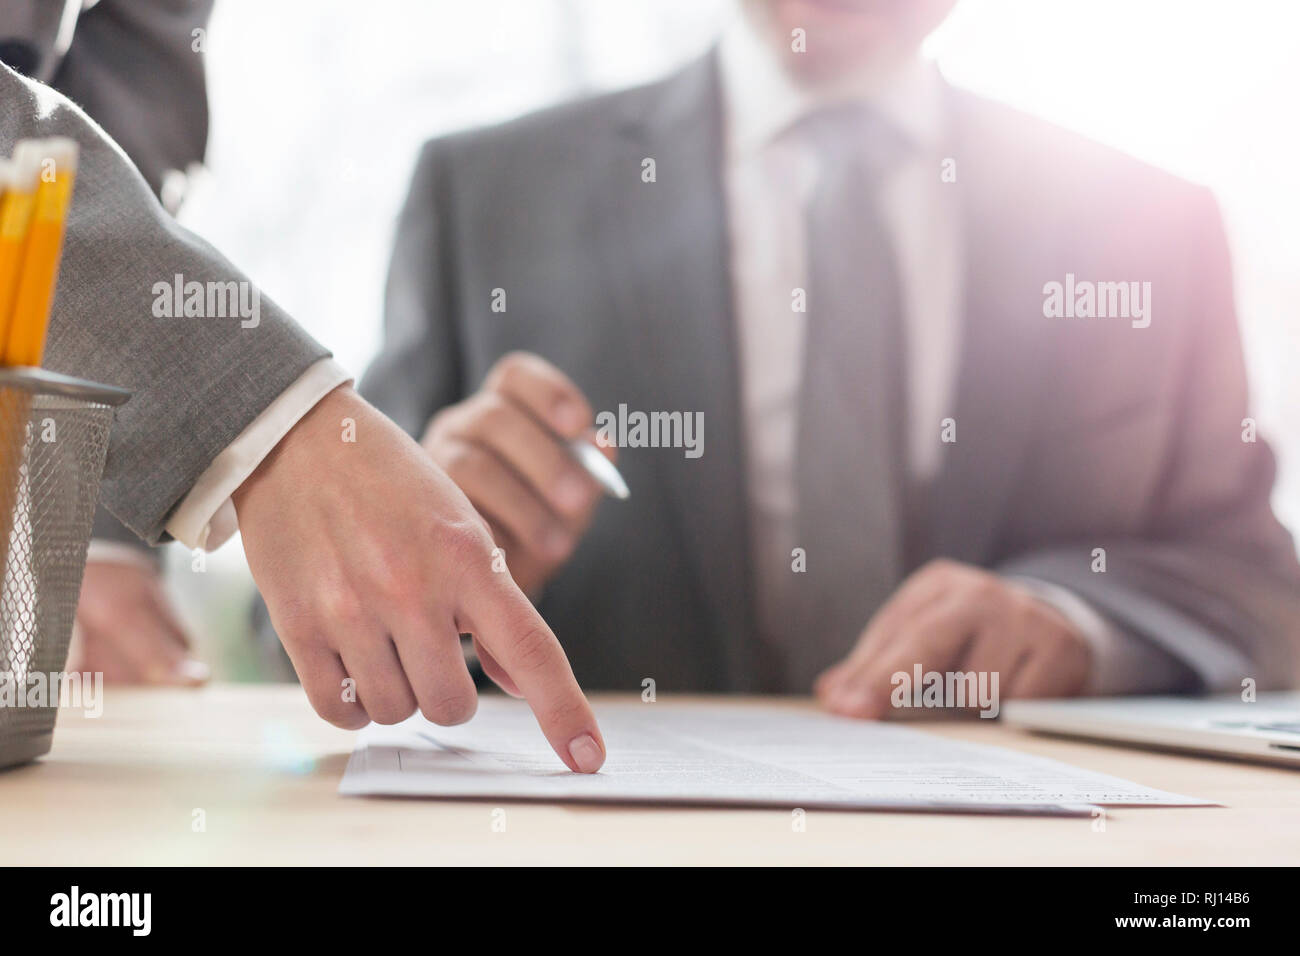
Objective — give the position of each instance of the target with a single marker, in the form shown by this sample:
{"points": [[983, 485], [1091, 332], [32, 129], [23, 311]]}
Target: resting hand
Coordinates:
{"points": [[954, 617], [127, 629]]}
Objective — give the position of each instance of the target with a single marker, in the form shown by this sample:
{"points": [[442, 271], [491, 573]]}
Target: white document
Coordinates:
{"points": [[680, 753]]}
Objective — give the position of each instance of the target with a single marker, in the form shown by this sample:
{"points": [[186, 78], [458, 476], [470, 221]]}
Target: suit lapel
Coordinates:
{"points": [[1008, 255], [666, 263]]}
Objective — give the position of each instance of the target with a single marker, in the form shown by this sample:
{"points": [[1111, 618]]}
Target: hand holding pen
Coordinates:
{"points": [[522, 449]]}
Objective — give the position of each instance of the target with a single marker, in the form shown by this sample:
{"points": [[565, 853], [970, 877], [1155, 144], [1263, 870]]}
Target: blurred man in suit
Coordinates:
{"points": [[136, 68], [915, 453]]}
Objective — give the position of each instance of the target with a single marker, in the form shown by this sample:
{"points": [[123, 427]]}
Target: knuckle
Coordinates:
{"points": [[450, 709], [292, 617], [536, 530], [571, 393], [547, 536], [457, 460], [464, 538], [389, 708], [939, 566], [493, 414], [392, 576], [345, 718], [563, 547], [465, 543], [348, 717], [565, 712], [509, 368], [1026, 617], [340, 605], [441, 424], [1058, 633], [534, 647], [331, 707]]}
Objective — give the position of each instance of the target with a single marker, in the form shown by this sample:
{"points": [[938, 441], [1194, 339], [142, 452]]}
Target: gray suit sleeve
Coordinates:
{"points": [[1214, 579], [197, 381], [417, 372]]}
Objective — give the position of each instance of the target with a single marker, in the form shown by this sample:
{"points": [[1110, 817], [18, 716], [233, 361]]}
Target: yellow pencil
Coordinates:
{"points": [[11, 415], [6, 174], [22, 174], [25, 343], [41, 175]]}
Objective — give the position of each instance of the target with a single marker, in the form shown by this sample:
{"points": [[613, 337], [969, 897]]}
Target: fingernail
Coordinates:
{"points": [[571, 493], [192, 671], [586, 753]]}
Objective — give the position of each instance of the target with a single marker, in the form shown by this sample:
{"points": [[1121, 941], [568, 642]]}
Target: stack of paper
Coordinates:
{"points": [[729, 755]]}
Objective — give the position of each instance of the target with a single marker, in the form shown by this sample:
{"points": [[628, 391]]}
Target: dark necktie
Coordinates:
{"points": [[850, 445]]}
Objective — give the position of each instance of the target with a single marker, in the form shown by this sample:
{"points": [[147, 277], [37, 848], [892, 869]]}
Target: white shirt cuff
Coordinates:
{"points": [[1121, 662], [206, 517]]}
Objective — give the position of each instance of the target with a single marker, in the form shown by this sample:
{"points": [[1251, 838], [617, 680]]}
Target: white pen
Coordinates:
{"points": [[600, 468]]}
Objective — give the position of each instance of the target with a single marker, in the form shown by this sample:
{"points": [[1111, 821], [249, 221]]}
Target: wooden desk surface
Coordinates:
{"points": [[263, 769]]}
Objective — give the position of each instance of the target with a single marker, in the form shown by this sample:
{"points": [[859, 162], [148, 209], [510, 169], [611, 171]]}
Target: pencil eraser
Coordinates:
{"points": [[25, 167], [59, 150]]}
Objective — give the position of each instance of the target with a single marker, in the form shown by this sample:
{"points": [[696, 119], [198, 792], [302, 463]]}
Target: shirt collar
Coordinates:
{"points": [[760, 100]]}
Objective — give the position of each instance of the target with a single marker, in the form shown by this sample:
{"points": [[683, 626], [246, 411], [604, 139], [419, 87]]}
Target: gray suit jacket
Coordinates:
{"points": [[130, 64], [1072, 434], [197, 382]]}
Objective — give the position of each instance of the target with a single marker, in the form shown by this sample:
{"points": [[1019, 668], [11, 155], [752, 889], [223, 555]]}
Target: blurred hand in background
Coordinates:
{"points": [[127, 628]]}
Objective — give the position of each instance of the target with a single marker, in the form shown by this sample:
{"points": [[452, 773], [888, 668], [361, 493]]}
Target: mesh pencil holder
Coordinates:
{"points": [[53, 438]]}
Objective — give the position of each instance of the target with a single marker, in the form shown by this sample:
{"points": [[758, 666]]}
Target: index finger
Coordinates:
{"points": [[500, 617]]}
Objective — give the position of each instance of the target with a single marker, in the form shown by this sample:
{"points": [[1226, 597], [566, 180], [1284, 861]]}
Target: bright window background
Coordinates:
{"points": [[319, 107]]}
